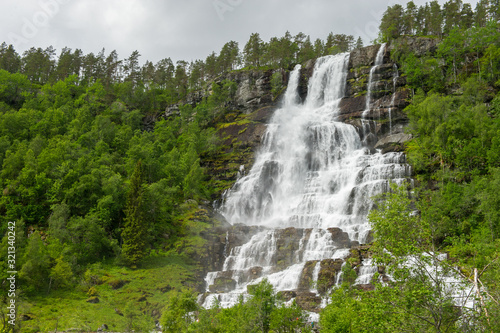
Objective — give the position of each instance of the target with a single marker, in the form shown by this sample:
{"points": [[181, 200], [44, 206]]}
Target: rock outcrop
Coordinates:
{"points": [[388, 97]]}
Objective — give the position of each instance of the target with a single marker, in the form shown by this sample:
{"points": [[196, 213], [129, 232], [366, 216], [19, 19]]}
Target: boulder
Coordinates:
{"points": [[329, 270], [306, 277], [389, 142], [340, 237], [420, 46], [364, 56], [93, 299], [308, 301], [287, 295]]}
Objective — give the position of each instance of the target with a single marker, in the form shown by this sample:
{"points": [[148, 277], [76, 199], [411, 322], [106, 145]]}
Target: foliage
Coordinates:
{"points": [[262, 312], [434, 20], [276, 83], [135, 229], [178, 313]]}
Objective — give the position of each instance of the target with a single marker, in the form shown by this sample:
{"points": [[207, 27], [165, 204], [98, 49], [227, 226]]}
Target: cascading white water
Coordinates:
{"points": [[393, 99], [379, 59], [312, 173]]}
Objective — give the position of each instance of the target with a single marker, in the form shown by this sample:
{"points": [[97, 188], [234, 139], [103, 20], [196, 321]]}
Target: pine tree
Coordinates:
{"points": [[452, 12], [9, 59], [481, 13], [253, 50], [228, 57], [410, 18], [134, 232], [359, 43], [435, 18], [392, 23]]}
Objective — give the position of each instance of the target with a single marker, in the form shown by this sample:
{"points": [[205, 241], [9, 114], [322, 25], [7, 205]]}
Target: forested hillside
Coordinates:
{"points": [[96, 177], [110, 194]]}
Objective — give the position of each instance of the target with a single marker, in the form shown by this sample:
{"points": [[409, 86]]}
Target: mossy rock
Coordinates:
{"points": [[93, 300], [92, 292], [117, 283]]}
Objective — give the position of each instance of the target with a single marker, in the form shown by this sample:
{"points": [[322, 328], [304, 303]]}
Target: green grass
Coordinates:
{"points": [[143, 296]]}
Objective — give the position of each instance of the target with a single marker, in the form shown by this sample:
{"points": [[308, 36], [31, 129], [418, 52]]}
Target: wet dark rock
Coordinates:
{"points": [[359, 253], [393, 142], [305, 74], [306, 277], [287, 243], [369, 238], [340, 237], [364, 56], [308, 301], [102, 328], [253, 89], [255, 272], [365, 287], [287, 295], [222, 284], [329, 270]]}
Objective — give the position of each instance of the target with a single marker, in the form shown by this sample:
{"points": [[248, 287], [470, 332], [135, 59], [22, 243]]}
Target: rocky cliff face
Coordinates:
{"points": [[288, 246], [387, 99], [243, 127]]}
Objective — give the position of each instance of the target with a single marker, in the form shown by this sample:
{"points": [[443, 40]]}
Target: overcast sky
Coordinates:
{"points": [[180, 29]]}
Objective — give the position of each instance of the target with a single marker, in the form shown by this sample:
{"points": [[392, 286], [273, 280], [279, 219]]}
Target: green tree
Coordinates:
{"points": [[404, 245], [288, 319], [410, 18], [452, 13], [181, 79], [306, 51], [392, 24], [36, 263], [229, 56], [178, 313], [435, 18], [9, 58], [61, 274], [253, 50], [263, 303], [359, 43], [467, 16], [135, 228], [132, 68]]}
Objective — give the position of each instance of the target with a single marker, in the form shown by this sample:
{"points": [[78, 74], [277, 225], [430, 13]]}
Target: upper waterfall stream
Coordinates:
{"points": [[310, 187]]}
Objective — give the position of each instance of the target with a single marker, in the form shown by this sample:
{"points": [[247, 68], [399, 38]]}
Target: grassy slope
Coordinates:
{"points": [[146, 288]]}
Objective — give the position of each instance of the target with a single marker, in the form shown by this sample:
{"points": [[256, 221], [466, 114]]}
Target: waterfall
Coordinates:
{"points": [[379, 59], [393, 99], [310, 187]]}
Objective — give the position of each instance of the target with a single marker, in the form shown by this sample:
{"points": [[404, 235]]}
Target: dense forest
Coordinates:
{"points": [[101, 185]]}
